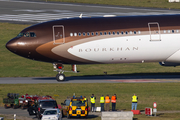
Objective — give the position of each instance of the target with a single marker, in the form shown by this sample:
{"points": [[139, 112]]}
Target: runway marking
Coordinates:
{"points": [[42, 17], [135, 81], [95, 6]]}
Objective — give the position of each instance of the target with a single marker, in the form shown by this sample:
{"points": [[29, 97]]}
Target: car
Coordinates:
{"points": [[41, 105], [52, 114]]}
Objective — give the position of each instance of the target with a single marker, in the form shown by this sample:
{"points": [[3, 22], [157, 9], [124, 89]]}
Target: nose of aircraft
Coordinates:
{"points": [[11, 45]]}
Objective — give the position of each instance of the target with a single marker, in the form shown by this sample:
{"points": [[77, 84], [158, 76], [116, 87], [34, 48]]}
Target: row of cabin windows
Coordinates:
{"points": [[114, 33], [104, 33], [171, 31]]}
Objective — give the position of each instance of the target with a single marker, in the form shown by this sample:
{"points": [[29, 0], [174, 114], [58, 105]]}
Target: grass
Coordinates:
{"points": [[160, 116], [166, 95], [136, 3]]}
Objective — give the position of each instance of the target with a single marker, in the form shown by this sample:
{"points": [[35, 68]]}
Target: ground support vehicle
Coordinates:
{"points": [[78, 107], [11, 100], [52, 114], [65, 106], [27, 100], [40, 105]]}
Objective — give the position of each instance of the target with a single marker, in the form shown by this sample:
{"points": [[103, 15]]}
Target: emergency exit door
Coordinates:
{"points": [[58, 34], [154, 31]]}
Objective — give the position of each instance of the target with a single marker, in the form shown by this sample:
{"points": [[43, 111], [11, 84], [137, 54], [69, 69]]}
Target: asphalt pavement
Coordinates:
{"points": [[34, 12], [24, 113]]}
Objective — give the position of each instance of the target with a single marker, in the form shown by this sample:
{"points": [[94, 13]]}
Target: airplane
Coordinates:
{"points": [[101, 40]]}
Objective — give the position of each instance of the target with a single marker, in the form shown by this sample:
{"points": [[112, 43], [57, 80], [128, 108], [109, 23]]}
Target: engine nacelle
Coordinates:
{"points": [[169, 64]]}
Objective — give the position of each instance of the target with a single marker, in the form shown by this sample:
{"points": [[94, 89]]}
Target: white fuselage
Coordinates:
{"points": [[127, 49]]}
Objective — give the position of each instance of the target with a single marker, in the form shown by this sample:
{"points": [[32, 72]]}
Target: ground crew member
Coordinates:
{"points": [[102, 100], [113, 100], [85, 99], [93, 99], [107, 101], [134, 101]]}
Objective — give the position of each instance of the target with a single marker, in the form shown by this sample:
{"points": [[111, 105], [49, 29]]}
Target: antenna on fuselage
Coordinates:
{"points": [[80, 15]]}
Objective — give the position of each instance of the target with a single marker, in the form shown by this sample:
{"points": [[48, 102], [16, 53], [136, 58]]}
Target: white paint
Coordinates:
{"points": [[119, 50], [174, 0]]}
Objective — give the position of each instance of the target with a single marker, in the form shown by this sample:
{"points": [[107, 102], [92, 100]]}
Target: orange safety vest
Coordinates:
{"points": [[107, 100], [113, 99]]}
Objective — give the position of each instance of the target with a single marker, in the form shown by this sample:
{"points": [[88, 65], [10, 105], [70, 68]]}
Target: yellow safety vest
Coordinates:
{"points": [[92, 100], [102, 100], [134, 98]]}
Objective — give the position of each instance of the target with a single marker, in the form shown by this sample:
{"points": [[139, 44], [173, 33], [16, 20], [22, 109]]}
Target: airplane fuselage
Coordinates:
{"points": [[126, 39]]}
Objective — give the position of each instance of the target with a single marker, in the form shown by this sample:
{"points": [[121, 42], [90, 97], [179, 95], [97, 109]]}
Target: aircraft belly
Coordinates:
{"points": [[127, 49]]}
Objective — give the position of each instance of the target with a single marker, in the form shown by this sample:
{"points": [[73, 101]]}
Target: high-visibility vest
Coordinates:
{"points": [[113, 99], [92, 99], [107, 100], [134, 98], [102, 100]]}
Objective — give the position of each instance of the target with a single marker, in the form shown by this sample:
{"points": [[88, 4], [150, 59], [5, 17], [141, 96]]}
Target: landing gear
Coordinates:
{"points": [[59, 68], [60, 77]]}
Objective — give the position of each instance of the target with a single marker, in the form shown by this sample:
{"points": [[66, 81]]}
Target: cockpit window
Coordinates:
{"points": [[20, 34], [27, 34], [32, 34]]}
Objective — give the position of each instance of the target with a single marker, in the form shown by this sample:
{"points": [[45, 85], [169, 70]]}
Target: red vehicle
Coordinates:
{"points": [[27, 100]]}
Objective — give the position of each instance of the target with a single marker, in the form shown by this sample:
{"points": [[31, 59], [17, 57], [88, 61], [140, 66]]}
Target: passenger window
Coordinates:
{"points": [[79, 34], [130, 32], [75, 34], [177, 31], [109, 33], [32, 34], [96, 33], [139, 32], [101, 33], [134, 32], [164, 31], [105, 33], [169, 31], [84, 34], [88, 34], [114, 33], [117, 32], [92, 34], [71, 34], [172, 31], [122, 33], [126, 32]]}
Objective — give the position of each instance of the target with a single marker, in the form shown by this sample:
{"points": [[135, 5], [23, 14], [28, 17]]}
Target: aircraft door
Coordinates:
{"points": [[58, 34], [154, 31]]}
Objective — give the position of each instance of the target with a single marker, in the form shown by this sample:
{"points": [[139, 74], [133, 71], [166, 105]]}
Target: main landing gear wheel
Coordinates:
{"points": [[60, 77]]}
